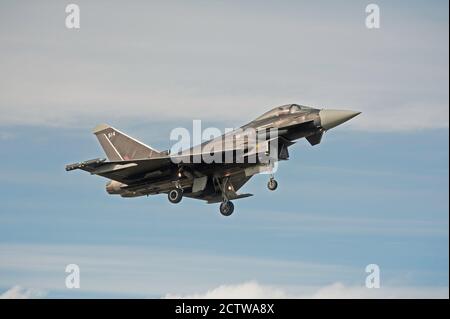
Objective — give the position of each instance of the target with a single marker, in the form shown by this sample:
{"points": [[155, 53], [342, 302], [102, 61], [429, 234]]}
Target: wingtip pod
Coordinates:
{"points": [[94, 162]]}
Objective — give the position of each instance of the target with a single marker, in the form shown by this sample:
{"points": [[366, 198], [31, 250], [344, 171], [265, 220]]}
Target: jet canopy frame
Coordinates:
{"points": [[283, 110]]}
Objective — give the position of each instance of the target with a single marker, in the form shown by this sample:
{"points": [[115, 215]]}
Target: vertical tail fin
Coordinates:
{"points": [[120, 147]]}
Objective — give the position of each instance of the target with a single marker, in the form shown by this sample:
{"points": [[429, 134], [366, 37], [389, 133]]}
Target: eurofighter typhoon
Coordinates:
{"points": [[216, 169]]}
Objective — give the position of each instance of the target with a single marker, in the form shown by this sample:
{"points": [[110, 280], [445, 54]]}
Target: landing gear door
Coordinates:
{"points": [[199, 184]]}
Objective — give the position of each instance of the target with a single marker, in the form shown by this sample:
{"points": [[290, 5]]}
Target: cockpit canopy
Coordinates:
{"points": [[284, 109]]}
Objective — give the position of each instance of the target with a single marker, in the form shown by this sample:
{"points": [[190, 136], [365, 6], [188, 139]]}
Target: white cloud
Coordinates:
{"points": [[18, 292], [250, 289], [253, 289]]}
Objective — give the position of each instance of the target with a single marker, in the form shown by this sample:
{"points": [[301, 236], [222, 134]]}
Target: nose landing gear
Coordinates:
{"points": [[272, 184]]}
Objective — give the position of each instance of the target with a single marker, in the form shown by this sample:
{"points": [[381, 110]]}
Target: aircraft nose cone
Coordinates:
{"points": [[333, 118]]}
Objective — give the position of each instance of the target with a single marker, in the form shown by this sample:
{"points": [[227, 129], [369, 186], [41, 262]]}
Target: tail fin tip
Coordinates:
{"points": [[100, 127], [119, 146]]}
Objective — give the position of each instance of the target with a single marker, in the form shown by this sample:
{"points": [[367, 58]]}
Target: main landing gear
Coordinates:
{"points": [[175, 195], [226, 208], [224, 187]]}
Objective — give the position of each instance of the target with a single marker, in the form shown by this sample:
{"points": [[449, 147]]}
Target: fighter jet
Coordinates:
{"points": [[214, 170]]}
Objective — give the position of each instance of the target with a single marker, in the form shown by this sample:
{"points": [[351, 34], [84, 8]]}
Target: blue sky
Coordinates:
{"points": [[375, 190]]}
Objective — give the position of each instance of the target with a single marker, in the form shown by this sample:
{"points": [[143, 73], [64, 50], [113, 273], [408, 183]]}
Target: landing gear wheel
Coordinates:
{"points": [[272, 184], [175, 195], [226, 208]]}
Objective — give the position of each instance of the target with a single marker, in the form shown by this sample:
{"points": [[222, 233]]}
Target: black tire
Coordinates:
{"points": [[175, 195], [272, 184], [226, 208]]}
